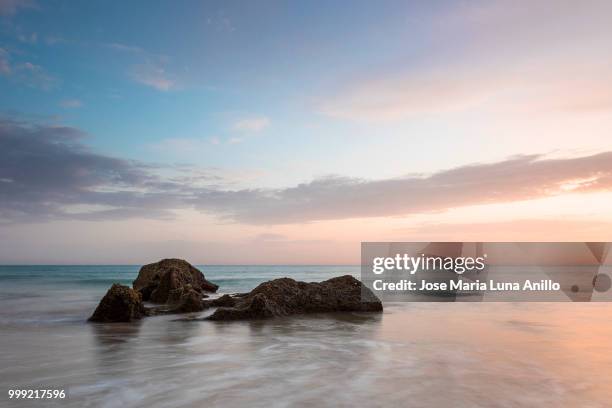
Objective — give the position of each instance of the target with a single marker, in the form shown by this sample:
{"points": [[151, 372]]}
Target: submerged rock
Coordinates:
{"points": [[120, 304], [158, 280], [285, 296]]}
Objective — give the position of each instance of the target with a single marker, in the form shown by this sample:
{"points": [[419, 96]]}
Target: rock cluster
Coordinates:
{"points": [[285, 296], [173, 283], [179, 288]]}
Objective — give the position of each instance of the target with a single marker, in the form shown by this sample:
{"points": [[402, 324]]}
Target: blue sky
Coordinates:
{"points": [[227, 123], [133, 76]]}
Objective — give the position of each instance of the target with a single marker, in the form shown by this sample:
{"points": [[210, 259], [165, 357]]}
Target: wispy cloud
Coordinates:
{"points": [[536, 229], [542, 86], [220, 22], [251, 124], [11, 7], [26, 73], [32, 38], [149, 68], [516, 179], [46, 169], [557, 60], [34, 76], [71, 103], [154, 76], [29, 74], [402, 96]]}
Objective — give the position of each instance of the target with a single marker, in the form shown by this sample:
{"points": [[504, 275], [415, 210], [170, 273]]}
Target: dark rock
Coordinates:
{"points": [[285, 296], [156, 281], [189, 301], [176, 295], [120, 304]]}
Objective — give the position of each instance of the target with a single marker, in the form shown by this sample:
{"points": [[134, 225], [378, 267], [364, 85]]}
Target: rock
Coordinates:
{"points": [[157, 280], [120, 304], [176, 295], [285, 296], [189, 301]]}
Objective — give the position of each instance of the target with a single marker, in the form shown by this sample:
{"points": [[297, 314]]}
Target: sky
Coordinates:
{"points": [[287, 132]]}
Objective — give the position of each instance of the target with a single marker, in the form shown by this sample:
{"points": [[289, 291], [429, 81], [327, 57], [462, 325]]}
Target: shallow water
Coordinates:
{"points": [[416, 354]]}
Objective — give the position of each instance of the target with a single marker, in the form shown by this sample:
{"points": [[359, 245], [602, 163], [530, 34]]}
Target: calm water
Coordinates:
{"points": [[418, 354]]}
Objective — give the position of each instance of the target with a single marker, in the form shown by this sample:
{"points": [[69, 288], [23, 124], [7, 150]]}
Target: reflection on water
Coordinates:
{"points": [[423, 355]]}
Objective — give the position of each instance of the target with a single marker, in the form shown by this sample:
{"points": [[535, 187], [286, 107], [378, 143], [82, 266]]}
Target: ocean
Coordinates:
{"points": [[413, 354]]}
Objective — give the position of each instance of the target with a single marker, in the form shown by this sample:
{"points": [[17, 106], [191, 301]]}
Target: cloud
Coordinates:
{"points": [[516, 179], [559, 59], [543, 86], [579, 229], [26, 73], [47, 169], [154, 76], [413, 93], [28, 39], [150, 69], [254, 124], [220, 22], [46, 172], [71, 103], [34, 76], [11, 7]]}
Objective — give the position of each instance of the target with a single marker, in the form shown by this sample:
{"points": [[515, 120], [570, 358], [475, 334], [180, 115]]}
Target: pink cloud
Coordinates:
{"points": [[154, 76]]}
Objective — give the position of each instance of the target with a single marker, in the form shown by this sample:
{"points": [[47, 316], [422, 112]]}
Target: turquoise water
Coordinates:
{"points": [[230, 278], [47, 294], [413, 354]]}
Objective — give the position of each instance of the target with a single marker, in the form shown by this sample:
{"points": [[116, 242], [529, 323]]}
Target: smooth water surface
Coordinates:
{"points": [[414, 354]]}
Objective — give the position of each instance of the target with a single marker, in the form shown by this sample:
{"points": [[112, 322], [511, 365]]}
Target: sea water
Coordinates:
{"points": [[413, 354]]}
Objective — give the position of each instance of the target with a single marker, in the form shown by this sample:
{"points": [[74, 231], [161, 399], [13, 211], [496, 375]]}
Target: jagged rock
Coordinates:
{"points": [[156, 281], [285, 296], [175, 296], [120, 304], [190, 301]]}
